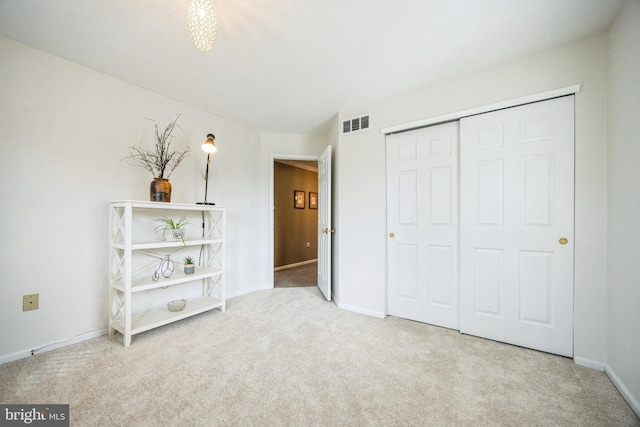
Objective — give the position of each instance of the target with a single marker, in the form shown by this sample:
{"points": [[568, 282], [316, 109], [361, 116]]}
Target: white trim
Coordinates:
{"points": [[272, 159], [51, 346], [591, 364], [569, 90], [295, 264], [360, 310], [624, 391]]}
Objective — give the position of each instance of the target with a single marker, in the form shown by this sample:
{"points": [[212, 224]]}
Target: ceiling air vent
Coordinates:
{"points": [[355, 125]]}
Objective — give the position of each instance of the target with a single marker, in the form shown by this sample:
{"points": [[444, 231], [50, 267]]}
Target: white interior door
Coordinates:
{"points": [[422, 225], [324, 223], [517, 215]]}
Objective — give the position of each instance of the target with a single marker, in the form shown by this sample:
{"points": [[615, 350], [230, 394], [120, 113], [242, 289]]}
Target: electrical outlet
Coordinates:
{"points": [[308, 245], [30, 302]]}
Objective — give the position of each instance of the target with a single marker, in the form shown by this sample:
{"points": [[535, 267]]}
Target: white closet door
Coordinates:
{"points": [[517, 216], [422, 226]]}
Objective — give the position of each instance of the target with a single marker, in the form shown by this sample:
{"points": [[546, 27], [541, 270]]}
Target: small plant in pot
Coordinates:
{"points": [[172, 230], [189, 265]]}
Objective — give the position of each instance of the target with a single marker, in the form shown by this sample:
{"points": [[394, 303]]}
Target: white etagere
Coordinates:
{"points": [[136, 253]]}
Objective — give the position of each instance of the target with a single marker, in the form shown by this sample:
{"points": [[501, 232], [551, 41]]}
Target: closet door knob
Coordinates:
{"points": [[563, 241], [392, 235]]}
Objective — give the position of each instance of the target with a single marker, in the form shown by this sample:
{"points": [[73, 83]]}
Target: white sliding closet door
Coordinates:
{"points": [[422, 225], [517, 216]]}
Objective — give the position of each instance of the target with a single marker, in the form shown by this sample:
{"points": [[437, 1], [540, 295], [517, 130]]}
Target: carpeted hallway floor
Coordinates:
{"points": [[304, 275]]}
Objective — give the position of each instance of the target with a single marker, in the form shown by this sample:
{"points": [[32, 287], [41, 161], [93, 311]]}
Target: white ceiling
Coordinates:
{"points": [[289, 66]]}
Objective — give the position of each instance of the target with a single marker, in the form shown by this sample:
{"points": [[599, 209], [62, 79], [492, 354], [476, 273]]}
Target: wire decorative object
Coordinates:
{"points": [[165, 268], [177, 305]]}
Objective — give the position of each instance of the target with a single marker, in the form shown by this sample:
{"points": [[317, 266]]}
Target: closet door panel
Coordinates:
{"points": [[422, 226], [516, 234]]}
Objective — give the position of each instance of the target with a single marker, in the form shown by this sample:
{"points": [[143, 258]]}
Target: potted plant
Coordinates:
{"points": [[161, 161], [172, 230], [189, 265]]}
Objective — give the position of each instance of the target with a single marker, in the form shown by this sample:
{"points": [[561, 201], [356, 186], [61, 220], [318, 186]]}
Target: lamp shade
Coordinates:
{"points": [[203, 25], [209, 145]]}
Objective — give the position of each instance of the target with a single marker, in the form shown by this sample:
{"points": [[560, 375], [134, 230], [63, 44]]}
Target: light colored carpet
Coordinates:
{"points": [[304, 275], [286, 357]]}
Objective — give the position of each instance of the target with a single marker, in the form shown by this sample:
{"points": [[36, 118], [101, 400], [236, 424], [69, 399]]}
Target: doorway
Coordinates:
{"points": [[295, 222]]}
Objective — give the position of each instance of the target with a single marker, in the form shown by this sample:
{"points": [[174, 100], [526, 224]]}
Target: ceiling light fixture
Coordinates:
{"points": [[203, 25]]}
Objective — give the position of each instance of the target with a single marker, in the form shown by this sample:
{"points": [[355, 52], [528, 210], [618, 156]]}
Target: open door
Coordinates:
{"points": [[324, 223]]}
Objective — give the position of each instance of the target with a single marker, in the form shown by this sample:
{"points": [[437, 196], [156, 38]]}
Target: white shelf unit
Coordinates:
{"points": [[136, 253]]}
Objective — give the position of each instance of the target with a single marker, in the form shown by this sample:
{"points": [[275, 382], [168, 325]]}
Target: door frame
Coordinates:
{"points": [[272, 159]]}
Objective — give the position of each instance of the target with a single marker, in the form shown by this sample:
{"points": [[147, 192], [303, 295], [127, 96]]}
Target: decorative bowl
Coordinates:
{"points": [[177, 305]]}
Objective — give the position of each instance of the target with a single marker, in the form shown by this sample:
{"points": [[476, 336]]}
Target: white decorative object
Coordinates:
{"points": [[177, 305], [134, 255], [203, 25]]}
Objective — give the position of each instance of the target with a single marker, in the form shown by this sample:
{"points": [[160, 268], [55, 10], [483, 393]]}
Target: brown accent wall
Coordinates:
{"points": [[294, 228]]}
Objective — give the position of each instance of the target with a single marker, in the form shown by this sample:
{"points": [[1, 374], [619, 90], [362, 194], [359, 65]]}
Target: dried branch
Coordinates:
{"points": [[163, 160]]}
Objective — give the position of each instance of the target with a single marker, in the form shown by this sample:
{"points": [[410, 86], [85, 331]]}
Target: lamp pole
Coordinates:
{"points": [[206, 183], [209, 147]]}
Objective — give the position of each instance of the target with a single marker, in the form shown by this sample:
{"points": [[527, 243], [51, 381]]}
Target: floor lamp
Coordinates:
{"points": [[208, 147]]}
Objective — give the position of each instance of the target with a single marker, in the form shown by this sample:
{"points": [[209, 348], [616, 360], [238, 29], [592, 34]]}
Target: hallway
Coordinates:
{"points": [[304, 275]]}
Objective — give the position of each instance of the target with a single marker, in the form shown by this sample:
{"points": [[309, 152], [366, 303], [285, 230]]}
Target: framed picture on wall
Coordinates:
{"points": [[298, 199], [313, 200]]}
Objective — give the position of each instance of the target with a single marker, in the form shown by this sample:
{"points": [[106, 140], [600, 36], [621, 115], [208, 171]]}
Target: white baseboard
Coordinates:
{"points": [[295, 264], [361, 310], [14, 356], [624, 391], [51, 346], [592, 364]]}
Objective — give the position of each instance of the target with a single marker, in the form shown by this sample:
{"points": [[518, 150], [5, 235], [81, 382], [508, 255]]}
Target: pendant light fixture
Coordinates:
{"points": [[203, 25]]}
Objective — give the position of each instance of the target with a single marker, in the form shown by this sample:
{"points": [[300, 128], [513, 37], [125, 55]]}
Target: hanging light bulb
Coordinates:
{"points": [[203, 26]]}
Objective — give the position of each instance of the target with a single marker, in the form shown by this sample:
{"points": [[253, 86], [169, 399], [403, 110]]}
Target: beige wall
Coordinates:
{"points": [[623, 298], [294, 229]]}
